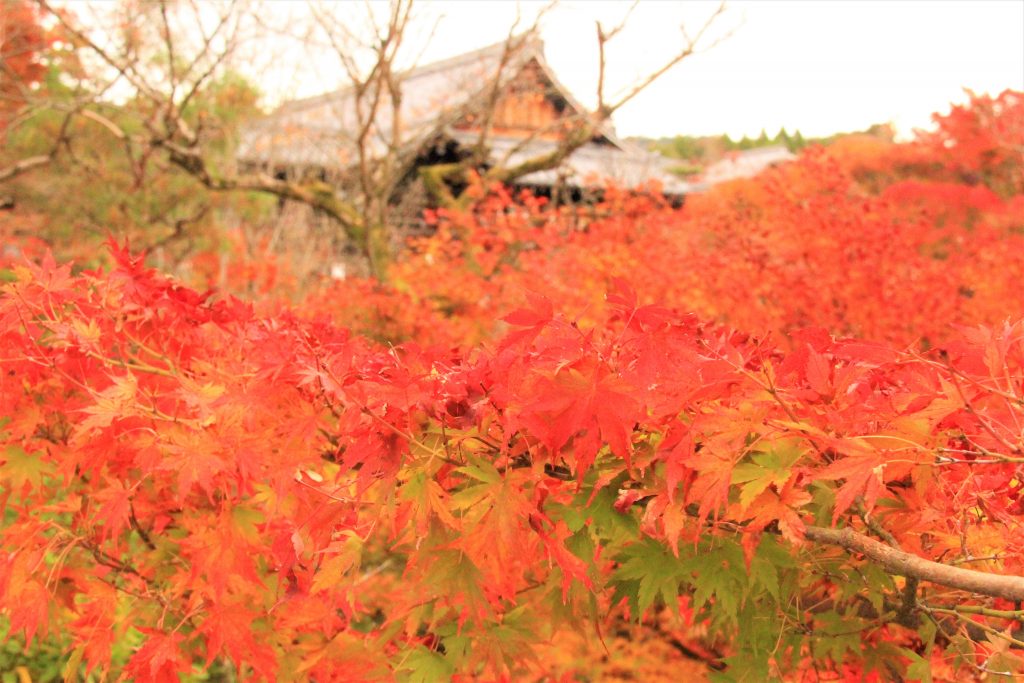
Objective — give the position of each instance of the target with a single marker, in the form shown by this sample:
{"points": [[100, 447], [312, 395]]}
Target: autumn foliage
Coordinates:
{"points": [[23, 41], [784, 420]]}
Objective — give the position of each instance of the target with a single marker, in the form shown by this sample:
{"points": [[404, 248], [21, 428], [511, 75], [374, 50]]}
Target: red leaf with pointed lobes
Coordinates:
{"points": [[863, 477], [228, 630], [622, 299], [531, 317], [679, 442], [29, 605], [819, 373], [97, 628], [115, 509], [573, 568], [584, 397], [160, 659]]}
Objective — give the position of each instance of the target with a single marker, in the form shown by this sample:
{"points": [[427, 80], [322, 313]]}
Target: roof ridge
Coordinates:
{"points": [[533, 46]]}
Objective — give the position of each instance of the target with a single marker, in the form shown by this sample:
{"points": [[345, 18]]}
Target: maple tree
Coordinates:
{"points": [[814, 475], [66, 128], [32, 55]]}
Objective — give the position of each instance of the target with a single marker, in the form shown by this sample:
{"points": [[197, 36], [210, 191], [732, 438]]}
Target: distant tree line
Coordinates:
{"points": [[700, 151]]}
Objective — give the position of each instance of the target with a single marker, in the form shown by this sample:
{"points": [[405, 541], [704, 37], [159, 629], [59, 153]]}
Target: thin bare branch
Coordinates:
{"points": [[603, 36], [168, 38], [23, 166], [27, 164], [217, 60], [124, 67]]}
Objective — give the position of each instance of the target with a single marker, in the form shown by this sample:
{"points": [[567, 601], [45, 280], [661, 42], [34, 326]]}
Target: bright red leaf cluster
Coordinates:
{"points": [[210, 484]]}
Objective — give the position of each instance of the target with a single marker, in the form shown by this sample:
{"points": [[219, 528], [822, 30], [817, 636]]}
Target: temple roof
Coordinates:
{"points": [[319, 132]]}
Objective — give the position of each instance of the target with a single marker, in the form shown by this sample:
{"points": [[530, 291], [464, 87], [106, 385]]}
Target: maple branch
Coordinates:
{"points": [[28, 163], [1008, 587], [972, 410], [987, 558], [909, 602], [136, 366], [707, 656], [952, 369], [114, 563], [873, 525], [143, 534], [317, 194], [1016, 614], [987, 458], [605, 110], [24, 165], [971, 624], [603, 36], [341, 499]]}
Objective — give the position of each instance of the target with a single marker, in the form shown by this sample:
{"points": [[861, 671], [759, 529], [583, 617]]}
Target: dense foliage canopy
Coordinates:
{"points": [[784, 423]]}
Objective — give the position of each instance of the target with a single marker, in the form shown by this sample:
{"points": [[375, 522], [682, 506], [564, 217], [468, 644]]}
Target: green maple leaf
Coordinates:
{"points": [[22, 468], [719, 572], [765, 469], [770, 558], [647, 570], [920, 668], [424, 666]]}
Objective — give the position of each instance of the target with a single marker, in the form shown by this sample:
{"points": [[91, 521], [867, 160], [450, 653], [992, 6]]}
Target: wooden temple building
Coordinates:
{"points": [[443, 107]]}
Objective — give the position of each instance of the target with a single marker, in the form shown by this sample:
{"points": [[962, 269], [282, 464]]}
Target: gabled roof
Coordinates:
{"points": [[319, 131]]}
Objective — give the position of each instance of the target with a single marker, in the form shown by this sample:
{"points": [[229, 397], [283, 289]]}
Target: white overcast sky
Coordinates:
{"points": [[818, 66]]}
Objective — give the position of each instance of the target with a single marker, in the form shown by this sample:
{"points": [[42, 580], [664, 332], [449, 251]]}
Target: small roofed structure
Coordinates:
{"points": [[745, 164], [448, 110]]}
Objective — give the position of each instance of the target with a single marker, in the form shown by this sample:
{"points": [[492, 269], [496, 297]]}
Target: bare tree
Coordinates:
{"points": [[166, 53], [381, 157]]}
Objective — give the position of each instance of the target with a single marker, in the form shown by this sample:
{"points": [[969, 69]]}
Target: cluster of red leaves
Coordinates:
{"points": [[888, 242], [982, 141], [210, 484]]}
